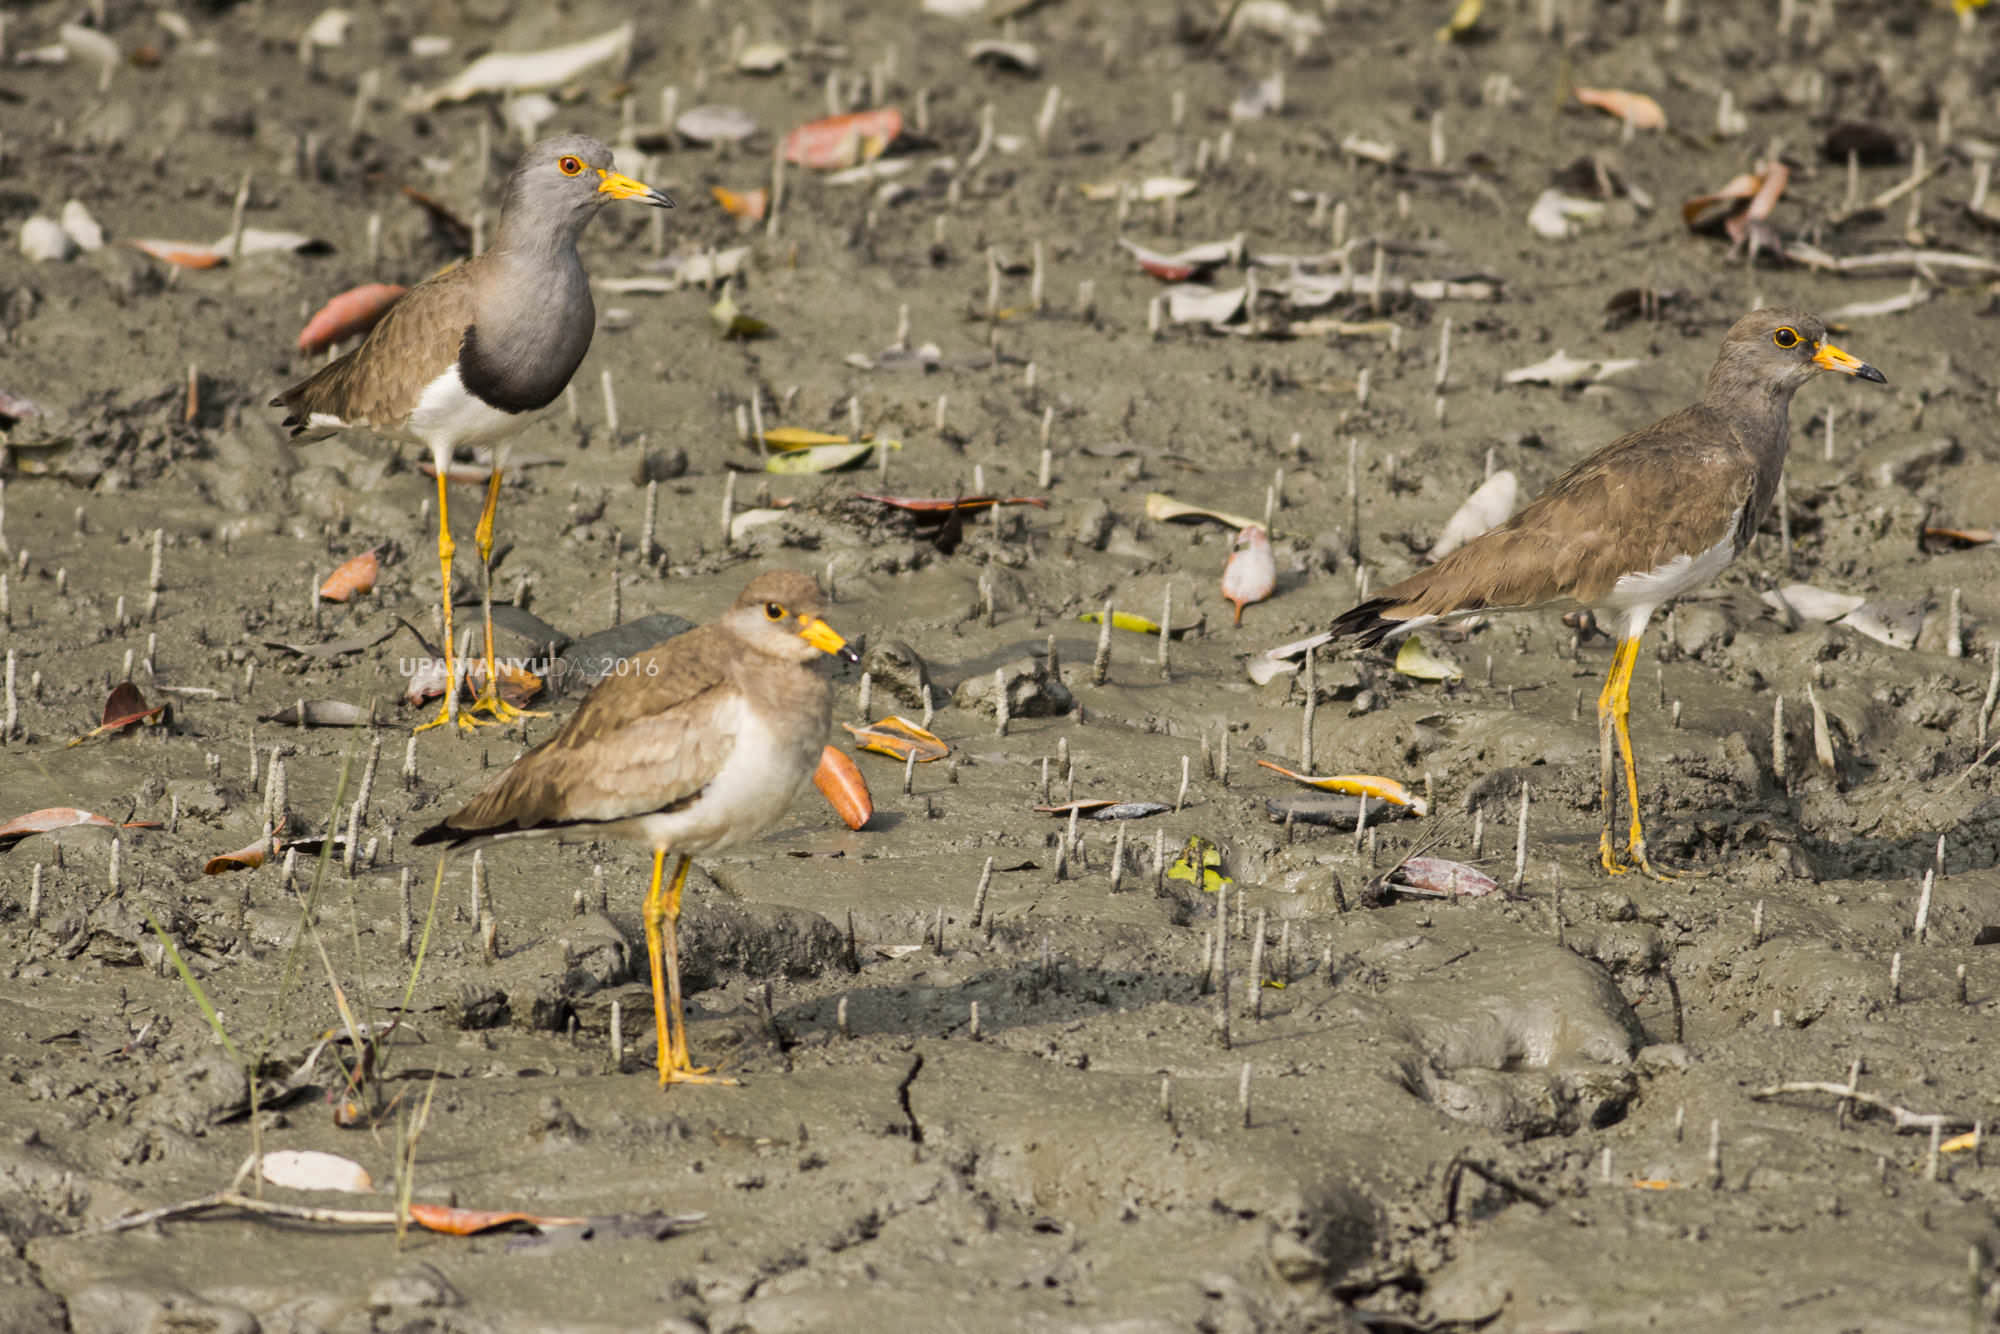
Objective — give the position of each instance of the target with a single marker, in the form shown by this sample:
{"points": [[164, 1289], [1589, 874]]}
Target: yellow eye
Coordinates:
{"points": [[773, 612], [1786, 337], [570, 166]]}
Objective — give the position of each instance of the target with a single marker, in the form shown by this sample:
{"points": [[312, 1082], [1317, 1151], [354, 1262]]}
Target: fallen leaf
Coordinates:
{"points": [[1896, 624], [1420, 664], [896, 736], [1186, 263], [1446, 879], [526, 71], [457, 1222], [1563, 370], [1163, 508], [51, 818], [1558, 216], [353, 312], [311, 1169], [1487, 507], [1137, 624], [1462, 21], [1014, 57], [1961, 537], [839, 780], [731, 322], [844, 140], [322, 713], [747, 204], [243, 859], [713, 124], [937, 507], [1102, 809], [354, 577], [1809, 603], [818, 458], [125, 707], [1205, 855], [1637, 109], [1250, 574], [799, 437], [442, 216], [1356, 785]]}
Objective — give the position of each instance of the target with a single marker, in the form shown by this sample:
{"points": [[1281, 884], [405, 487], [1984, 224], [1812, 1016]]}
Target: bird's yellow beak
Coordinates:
{"points": [[1831, 358], [823, 637], [620, 186]]}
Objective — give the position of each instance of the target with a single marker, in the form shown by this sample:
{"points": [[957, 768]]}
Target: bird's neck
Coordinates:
{"points": [[1759, 410]]}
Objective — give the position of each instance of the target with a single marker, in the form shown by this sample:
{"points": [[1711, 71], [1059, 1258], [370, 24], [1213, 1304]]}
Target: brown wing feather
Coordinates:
{"points": [[378, 383], [1669, 490], [643, 740]]}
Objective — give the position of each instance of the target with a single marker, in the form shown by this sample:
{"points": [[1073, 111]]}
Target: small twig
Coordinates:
{"points": [[1904, 1118]]}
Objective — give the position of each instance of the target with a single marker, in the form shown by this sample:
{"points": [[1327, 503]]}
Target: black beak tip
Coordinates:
{"points": [[1868, 372]]}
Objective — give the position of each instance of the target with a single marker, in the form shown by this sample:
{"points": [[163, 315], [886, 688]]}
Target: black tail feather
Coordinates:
{"points": [[1366, 622]]}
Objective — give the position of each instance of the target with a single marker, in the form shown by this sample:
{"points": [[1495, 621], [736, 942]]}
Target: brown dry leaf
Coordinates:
{"points": [[355, 576], [124, 708], [1640, 110], [897, 737]]}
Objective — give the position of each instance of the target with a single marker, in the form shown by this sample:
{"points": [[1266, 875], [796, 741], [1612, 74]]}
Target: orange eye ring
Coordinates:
{"points": [[570, 165], [1786, 337]]}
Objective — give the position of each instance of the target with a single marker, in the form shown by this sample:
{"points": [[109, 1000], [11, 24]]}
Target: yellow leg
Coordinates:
{"points": [[1621, 712], [1607, 851], [446, 548], [489, 693], [662, 916]]}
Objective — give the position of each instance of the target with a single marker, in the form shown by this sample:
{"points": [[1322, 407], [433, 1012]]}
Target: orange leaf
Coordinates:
{"points": [[897, 737], [844, 141], [243, 859], [1642, 111], [1740, 187], [839, 780], [176, 252], [354, 311], [354, 577], [745, 204], [468, 1222]]}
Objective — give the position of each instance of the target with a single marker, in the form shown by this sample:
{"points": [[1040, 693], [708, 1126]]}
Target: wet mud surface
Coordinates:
{"points": [[1535, 1111]]}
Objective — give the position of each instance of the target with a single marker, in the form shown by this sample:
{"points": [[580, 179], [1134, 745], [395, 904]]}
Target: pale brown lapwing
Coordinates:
{"points": [[465, 357], [696, 744], [1647, 518]]}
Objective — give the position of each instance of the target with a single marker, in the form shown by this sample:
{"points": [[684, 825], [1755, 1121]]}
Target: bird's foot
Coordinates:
{"points": [[1636, 850], [694, 1074], [502, 711], [463, 717]]}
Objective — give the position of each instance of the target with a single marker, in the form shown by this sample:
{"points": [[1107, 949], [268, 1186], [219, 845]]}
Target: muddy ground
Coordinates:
{"points": [[1534, 1113]]}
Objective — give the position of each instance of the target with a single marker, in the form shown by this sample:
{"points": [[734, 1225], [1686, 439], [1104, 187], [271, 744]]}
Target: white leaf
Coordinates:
{"points": [[1485, 508], [310, 1169], [512, 71]]}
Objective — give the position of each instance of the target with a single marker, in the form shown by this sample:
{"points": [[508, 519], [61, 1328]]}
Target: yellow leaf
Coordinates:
{"points": [[1463, 20], [1419, 663], [1124, 620], [1209, 857], [798, 437], [817, 458]]}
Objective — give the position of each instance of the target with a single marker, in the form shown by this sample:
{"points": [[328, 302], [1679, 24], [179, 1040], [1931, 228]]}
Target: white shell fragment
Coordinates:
{"points": [[713, 124], [1559, 216], [310, 1169], [1813, 604], [81, 228], [1485, 508], [329, 28], [1016, 57], [519, 71], [1563, 370], [762, 58], [43, 239], [1191, 303], [1896, 624]]}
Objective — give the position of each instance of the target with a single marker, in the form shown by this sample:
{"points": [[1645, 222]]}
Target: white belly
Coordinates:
{"points": [[751, 794], [1635, 597], [448, 415]]}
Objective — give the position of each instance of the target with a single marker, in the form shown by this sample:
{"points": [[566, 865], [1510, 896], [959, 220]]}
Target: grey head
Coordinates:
{"points": [[1773, 352], [557, 188]]}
